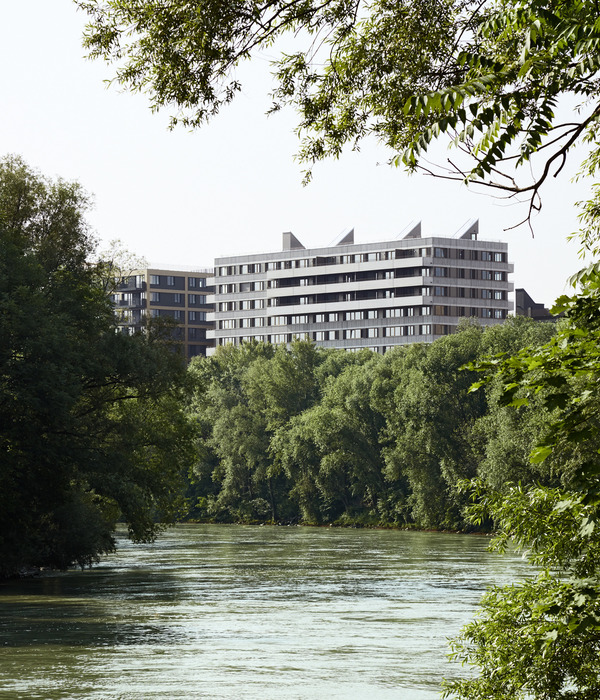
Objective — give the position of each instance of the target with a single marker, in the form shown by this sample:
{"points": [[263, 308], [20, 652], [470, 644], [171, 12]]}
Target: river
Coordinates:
{"points": [[249, 613]]}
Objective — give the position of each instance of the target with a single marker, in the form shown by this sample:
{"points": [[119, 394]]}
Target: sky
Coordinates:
{"points": [[181, 198]]}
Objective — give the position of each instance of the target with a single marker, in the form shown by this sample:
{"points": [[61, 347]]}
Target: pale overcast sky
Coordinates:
{"points": [[181, 198]]}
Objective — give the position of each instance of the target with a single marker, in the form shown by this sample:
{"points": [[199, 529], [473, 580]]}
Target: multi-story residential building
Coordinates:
{"points": [[370, 295], [174, 294], [525, 306]]}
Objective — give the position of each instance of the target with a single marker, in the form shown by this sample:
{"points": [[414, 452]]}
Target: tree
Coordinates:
{"points": [[90, 422], [330, 452]]}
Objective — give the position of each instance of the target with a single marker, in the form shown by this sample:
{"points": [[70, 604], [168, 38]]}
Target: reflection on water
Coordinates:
{"points": [[234, 612]]}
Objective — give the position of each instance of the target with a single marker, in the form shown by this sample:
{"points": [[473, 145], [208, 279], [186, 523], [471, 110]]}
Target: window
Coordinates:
{"points": [[439, 291], [278, 320], [274, 266], [500, 296], [440, 252], [440, 272], [499, 257], [300, 319], [196, 282], [320, 318], [426, 311], [333, 317], [347, 259], [259, 286], [486, 313], [170, 281], [279, 338], [352, 334], [319, 335], [226, 324], [178, 298], [155, 297], [486, 256], [486, 275], [500, 276], [499, 313], [154, 279], [196, 334], [372, 313], [372, 332], [245, 287], [486, 293], [425, 329], [354, 315]]}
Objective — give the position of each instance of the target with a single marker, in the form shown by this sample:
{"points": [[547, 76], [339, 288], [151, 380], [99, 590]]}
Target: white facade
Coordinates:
{"points": [[371, 295]]}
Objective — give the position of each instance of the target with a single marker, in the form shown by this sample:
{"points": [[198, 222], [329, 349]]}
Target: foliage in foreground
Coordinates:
{"points": [[91, 422], [487, 75], [541, 638]]}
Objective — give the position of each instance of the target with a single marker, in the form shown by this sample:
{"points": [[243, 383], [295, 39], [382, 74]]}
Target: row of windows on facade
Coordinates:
{"points": [[176, 333], [336, 317], [138, 281], [128, 316], [423, 329], [373, 275], [438, 291], [398, 254], [165, 298], [458, 273], [172, 281], [260, 322]]}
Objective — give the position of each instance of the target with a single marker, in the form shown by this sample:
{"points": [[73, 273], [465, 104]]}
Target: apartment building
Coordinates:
{"points": [[174, 294], [369, 295]]}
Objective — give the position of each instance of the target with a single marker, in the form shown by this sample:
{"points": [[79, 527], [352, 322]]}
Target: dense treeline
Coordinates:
{"points": [[326, 436]]}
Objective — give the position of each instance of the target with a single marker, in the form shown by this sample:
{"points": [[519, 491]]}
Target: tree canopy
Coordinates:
{"points": [[487, 74], [91, 422]]}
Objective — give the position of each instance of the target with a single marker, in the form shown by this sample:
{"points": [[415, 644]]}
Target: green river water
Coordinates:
{"points": [[232, 612]]}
